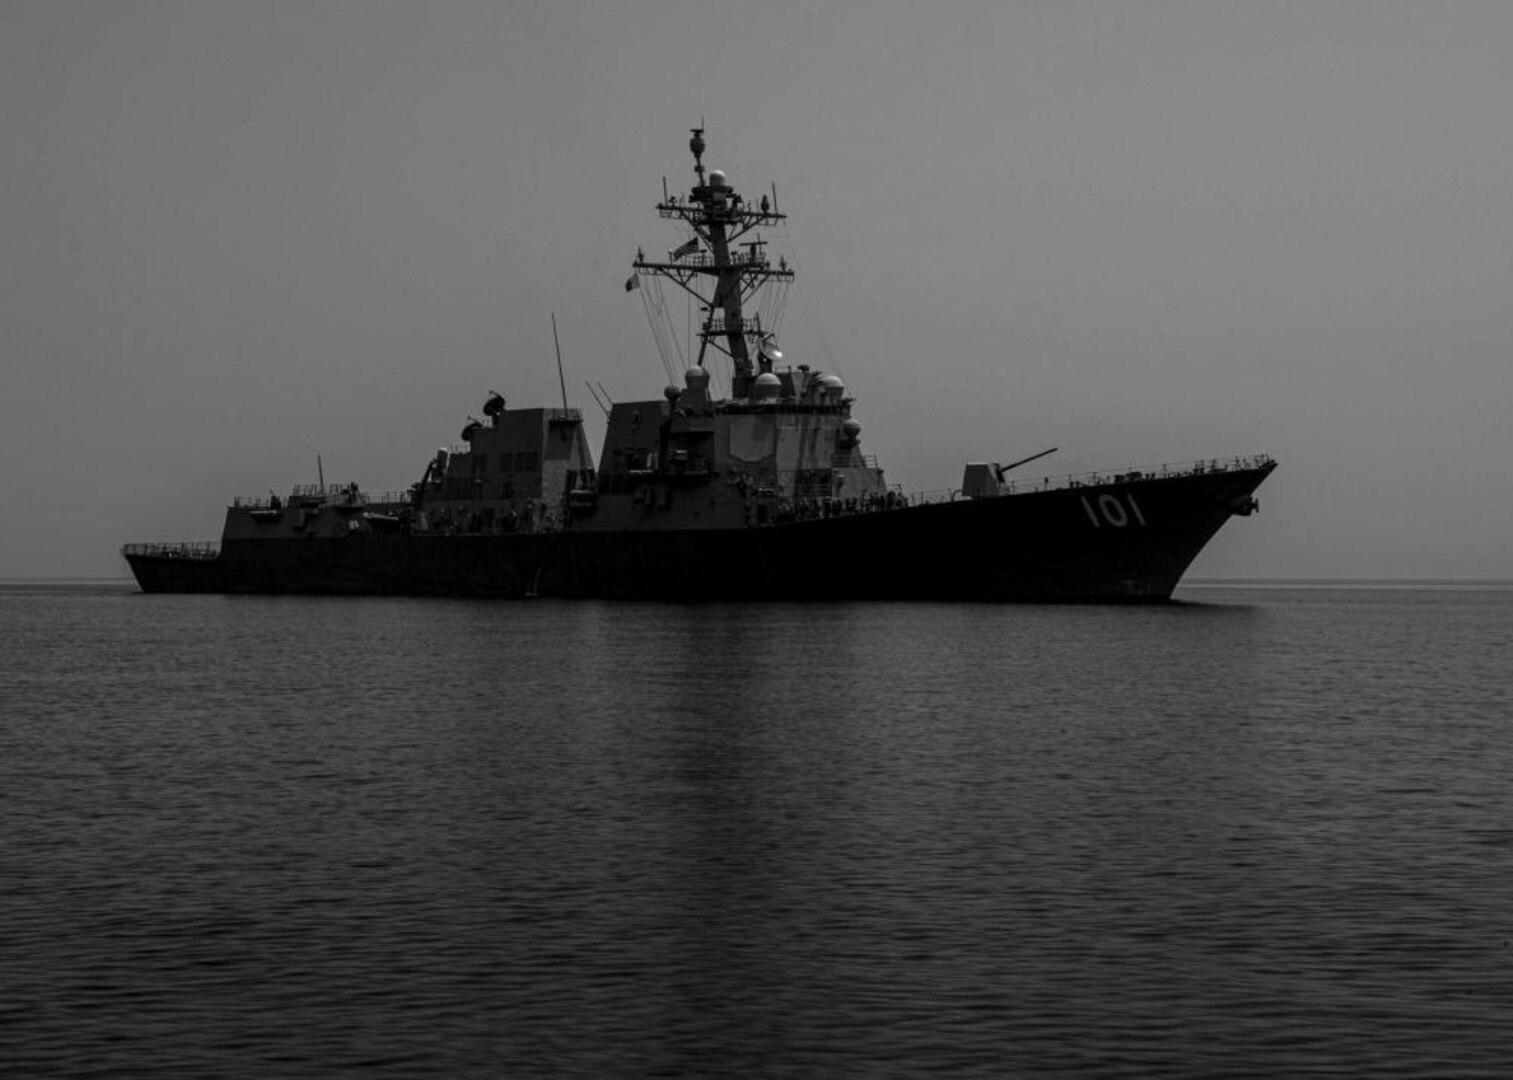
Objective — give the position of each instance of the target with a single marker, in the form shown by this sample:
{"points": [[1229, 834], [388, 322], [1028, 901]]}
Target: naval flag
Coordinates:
{"points": [[685, 249], [632, 283]]}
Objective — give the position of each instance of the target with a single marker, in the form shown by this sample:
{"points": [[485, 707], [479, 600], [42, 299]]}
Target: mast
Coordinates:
{"points": [[560, 380], [719, 217]]}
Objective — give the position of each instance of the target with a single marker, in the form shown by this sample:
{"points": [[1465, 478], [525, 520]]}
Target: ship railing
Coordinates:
{"points": [[704, 260], [335, 493], [330, 491], [718, 328], [198, 549], [1096, 478], [1170, 470], [780, 407], [936, 495], [315, 491]]}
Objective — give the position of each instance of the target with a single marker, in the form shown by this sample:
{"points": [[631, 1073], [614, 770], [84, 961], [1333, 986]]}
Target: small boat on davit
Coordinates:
{"points": [[760, 492]]}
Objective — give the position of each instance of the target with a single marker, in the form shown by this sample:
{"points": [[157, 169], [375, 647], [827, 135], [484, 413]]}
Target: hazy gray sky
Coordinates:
{"points": [[238, 235]]}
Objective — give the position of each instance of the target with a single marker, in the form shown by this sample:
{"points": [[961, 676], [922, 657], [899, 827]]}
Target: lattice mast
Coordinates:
{"points": [[720, 281]]}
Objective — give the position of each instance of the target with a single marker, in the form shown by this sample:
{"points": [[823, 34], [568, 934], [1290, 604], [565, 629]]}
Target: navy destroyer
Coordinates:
{"points": [[760, 492]]}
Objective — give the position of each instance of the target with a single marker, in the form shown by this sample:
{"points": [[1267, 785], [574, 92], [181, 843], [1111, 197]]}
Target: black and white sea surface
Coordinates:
{"points": [[1267, 832]]}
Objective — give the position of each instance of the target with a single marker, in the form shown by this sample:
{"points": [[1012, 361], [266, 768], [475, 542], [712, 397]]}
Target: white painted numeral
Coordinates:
{"points": [[1111, 511], [1089, 508]]}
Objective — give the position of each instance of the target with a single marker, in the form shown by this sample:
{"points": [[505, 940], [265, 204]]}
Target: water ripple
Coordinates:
{"points": [[1261, 835]]}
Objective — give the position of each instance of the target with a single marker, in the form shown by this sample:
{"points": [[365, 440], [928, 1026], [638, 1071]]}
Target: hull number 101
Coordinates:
{"points": [[1110, 510]]}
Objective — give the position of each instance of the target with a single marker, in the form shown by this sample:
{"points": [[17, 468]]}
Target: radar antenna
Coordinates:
{"points": [[721, 281]]}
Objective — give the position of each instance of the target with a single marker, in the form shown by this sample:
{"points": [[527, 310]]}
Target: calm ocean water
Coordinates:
{"points": [[1265, 833]]}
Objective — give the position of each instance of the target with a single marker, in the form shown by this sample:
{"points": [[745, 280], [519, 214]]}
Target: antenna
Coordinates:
{"points": [[320, 471], [594, 394], [560, 380]]}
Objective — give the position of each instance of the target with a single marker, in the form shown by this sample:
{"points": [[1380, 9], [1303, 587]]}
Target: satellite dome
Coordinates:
{"points": [[696, 378], [832, 386], [766, 385], [671, 392], [852, 428], [716, 177]]}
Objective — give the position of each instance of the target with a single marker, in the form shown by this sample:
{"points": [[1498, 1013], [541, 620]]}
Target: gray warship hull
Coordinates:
{"points": [[1113, 542]]}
